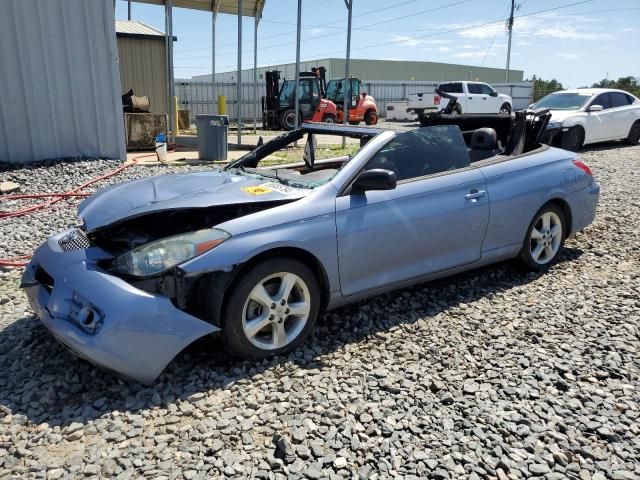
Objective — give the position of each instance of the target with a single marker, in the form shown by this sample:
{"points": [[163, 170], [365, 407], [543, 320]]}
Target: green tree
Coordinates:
{"points": [[542, 87], [628, 84]]}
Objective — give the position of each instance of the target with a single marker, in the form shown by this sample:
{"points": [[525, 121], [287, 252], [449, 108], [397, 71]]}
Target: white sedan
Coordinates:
{"points": [[588, 115]]}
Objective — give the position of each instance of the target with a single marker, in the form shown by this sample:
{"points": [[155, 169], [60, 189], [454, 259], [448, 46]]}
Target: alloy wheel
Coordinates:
{"points": [[276, 311], [546, 238]]}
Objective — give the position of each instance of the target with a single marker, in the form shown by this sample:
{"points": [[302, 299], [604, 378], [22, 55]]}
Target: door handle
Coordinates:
{"points": [[475, 194]]}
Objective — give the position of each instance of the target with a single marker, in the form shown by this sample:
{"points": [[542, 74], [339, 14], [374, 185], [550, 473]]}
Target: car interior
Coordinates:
{"points": [[443, 143]]}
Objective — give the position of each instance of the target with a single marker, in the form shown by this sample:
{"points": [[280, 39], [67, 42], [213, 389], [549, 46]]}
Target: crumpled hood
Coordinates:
{"points": [[562, 115], [188, 190]]}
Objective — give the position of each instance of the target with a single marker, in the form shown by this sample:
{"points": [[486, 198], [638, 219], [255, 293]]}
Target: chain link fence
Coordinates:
{"points": [[202, 97]]}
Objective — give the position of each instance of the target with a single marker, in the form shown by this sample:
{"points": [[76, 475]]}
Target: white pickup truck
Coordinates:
{"points": [[472, 97]]}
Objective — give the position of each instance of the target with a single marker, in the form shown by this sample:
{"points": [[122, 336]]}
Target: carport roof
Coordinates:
{"points": [[250, 8]]}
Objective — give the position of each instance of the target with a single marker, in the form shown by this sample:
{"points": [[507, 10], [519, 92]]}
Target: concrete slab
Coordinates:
{"points": [[181, 156]]}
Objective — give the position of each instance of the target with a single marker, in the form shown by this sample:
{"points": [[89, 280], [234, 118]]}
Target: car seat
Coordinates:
{"points": [[483, 144]]}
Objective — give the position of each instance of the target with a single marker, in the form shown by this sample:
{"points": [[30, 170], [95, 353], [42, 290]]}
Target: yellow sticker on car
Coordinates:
{"points": [[257, 190]]}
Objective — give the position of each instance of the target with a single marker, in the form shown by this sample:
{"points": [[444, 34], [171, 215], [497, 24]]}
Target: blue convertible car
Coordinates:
{"points": [[256, 252]]}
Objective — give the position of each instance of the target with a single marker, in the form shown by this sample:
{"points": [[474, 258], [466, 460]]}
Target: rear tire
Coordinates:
{"points": [[288, 119], [572, 139], [371, 118], [544, 240], [634, 134], [258, 318]]}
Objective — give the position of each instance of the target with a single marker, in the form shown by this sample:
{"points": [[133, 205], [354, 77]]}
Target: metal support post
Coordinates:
{"points": [[129, 10], [172, 112], [347, 82], [214, 17], [239, 75], [297, 84], [255, 74]]}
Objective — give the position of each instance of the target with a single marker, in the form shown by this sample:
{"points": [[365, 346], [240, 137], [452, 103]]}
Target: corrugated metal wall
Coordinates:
{"points": [[142, 68], [59, 83], [198, 96], [387, 70]]}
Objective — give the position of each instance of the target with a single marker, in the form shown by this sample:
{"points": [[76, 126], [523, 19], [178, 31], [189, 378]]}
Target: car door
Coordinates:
{"points": [[491, 103], [476, 100], [435, 219], [622, 116], [599, 124]]}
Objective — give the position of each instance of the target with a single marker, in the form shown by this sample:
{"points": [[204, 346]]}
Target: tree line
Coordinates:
{"points": [[543, 87]]}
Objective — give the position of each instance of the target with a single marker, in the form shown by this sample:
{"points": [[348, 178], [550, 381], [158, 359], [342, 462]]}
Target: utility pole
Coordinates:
{"points": [[297, 77], [510, 29], [129, 10], [348, 94]]}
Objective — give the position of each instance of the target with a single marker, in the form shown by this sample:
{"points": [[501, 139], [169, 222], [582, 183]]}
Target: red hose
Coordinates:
{"points": [[58, 197]]}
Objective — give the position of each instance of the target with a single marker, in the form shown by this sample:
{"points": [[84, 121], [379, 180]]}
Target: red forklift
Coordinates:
{"points": [[362, 106], [278, 105]]}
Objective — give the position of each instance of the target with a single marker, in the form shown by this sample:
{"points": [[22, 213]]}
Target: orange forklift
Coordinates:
{"points": [[278, 105], [362, 107]]}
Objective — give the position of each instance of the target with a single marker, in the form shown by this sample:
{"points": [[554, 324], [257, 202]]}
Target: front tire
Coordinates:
{"points": [[545, 238], [634, 134], [288, 119], [271, 310], [505, 109], [329, 118], [371, 118], [572, 139]]}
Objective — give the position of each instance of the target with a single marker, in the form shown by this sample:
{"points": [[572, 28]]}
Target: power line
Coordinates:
{"points": [[324, 24], [444, 32], [323, 55], [453, 4]]}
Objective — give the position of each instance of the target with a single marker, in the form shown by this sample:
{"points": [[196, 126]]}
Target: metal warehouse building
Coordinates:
{"points": [[393, 70], [59, 85]]}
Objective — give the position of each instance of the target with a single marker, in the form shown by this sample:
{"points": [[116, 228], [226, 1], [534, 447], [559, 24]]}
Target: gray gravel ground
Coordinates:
{"points": [[490, 374]]}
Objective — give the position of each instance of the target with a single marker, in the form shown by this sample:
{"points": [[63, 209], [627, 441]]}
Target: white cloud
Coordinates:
{"points": [[406, 41], [550, 25], [444, 49], [570, 56], [437, 42], [476, 54]]}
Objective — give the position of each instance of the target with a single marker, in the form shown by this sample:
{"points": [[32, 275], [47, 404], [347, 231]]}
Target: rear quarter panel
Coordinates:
{"points": [[519, 187]]}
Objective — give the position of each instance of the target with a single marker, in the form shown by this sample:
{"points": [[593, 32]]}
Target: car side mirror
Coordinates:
{"points": [[596, 108], [375, 179], [493, 94]]}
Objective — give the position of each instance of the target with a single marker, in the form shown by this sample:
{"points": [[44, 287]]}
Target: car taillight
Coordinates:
{"points": [[583, 166], [436, 100]]}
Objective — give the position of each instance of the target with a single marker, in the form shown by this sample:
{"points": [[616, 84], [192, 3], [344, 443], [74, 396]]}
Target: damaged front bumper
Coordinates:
{"points": [[102, 318]]}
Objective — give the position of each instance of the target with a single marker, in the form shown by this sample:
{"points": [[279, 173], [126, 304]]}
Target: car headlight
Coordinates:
{"points": [[555, 124], [160, 255]]}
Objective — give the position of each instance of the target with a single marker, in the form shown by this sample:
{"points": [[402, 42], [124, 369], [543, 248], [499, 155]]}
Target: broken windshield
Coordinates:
{"points": [[306, 165]]}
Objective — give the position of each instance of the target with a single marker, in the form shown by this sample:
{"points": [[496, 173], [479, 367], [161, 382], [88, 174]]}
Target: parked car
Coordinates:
{"points": [[588, 115], [255, 254], [472, 97]]}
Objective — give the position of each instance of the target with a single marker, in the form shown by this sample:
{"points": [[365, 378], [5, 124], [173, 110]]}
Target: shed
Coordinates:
{"points": [[142, 51]]}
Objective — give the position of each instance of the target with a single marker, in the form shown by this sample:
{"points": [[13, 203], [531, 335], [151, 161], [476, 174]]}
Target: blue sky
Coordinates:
{"points": [[577, 44]]}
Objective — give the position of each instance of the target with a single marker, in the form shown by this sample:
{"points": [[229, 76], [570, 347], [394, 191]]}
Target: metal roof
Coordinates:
{"points": [[131, 27], [250, 8]]}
